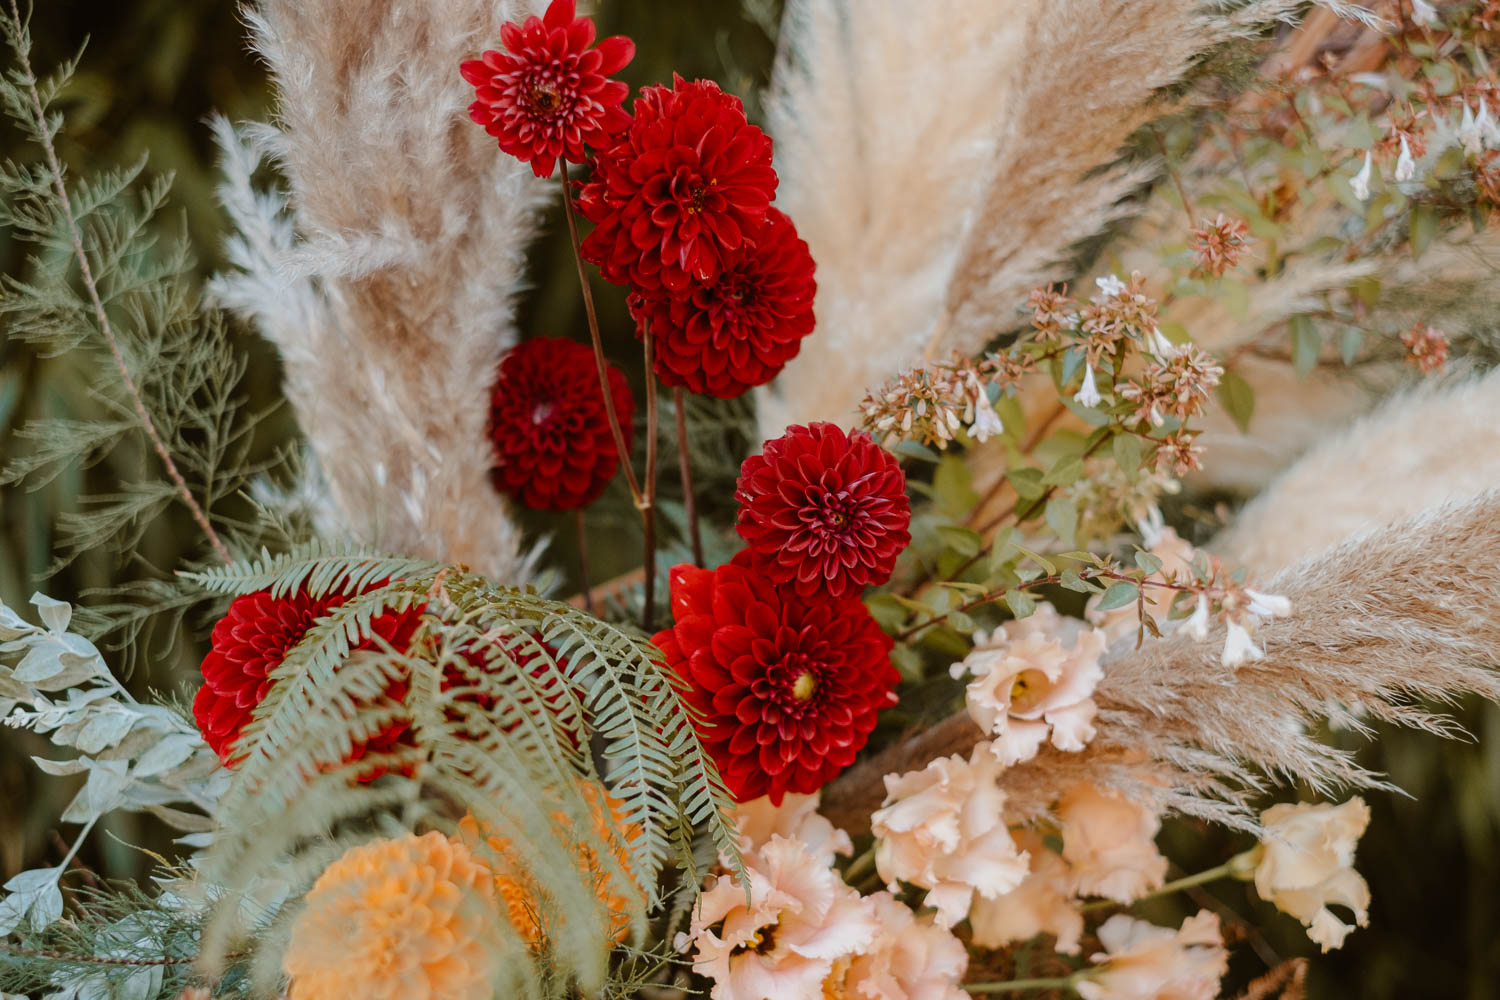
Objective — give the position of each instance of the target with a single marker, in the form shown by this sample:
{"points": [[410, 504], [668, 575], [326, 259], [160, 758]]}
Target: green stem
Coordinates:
{"points": [[859, 866], [1018, 985], [1177, 885]]}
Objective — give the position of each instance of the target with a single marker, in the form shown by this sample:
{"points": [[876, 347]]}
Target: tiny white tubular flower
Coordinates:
{"points": [[1489, 132], [943, 828], [986, 423], [1268, 605], [1360, 182], [1088, 393], [1307, 864], [1197, 625], [1110, 286], [1239, 648], [1160, 347], [1406, 167], [1424, 13], [1470, 132]]}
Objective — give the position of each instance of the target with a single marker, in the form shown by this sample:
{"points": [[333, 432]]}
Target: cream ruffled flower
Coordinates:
{"points": [[797, 818], [1044, 903], [800, 920], [1111, 844], [1147, 962], [1029, 687], [913, 958], [942, 828], [1307, 865]]}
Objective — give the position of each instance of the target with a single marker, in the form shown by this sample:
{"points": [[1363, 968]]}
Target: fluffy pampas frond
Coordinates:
{"points": [[1430, 445], [388, 286], [1383, 623], [938, 178]]}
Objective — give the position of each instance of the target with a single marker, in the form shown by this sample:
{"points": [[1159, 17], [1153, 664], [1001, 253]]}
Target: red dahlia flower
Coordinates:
{"points": [[686, 184], [788, 688], [252, 639], [553, 446], [552, 95], [739, 330], [824, 511]]}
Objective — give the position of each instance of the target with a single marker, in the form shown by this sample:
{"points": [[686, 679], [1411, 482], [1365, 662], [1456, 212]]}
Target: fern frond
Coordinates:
{"points": [[319, 567]]}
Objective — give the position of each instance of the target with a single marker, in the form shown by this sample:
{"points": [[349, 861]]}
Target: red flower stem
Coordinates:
{"points": [[588, 308], [685, 466], [583, 561], [86, 273], [648, 499]]}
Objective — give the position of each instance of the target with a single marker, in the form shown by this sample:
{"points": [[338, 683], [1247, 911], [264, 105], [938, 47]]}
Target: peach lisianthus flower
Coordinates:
{"points": [[800, 920], [942, 828], [797, 818], [395, 919], [1110, 843], [912, 958], [1145, 962], [1044, 903], [1029, 686], [1307, 863]]}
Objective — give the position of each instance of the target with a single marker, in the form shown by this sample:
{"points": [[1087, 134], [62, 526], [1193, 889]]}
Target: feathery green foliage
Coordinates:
{"points": [[509, 699]]}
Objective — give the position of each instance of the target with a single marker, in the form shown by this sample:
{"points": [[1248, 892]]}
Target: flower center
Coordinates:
{"points": [[542, 412], [805, 686], [543, 98], [763, 942], [832, 518]]}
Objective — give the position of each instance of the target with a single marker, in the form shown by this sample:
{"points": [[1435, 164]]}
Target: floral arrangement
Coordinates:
{"points": [[922, 651]]}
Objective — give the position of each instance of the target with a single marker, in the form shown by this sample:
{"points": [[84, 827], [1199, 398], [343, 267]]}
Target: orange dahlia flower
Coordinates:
{"points": [[395, 920]]}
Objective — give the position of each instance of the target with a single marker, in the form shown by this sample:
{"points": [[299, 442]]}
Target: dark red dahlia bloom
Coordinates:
{"points": [[725, 336], [252, 639], [788, 688], [551, 95], [553, 446], [824, 511], [686, 184]]}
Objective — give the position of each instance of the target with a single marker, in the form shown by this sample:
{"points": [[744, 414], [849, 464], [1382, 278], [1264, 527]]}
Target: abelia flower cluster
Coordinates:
{"points": [[553, 448], [549, 95], [930, 404]]}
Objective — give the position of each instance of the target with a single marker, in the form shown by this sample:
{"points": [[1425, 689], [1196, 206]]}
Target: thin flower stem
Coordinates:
{"points": [[1042, 581], [685, 467], [1020, 985], [1177, 885], [860, 865], [593, 319], [86, 273], [583, 561], [1187, 203], [648, 498]]}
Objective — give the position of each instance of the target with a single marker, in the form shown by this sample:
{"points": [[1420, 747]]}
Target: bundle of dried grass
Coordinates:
{"points": [[1386, 467], [1384, 624], [392, 305], [938, 178]]}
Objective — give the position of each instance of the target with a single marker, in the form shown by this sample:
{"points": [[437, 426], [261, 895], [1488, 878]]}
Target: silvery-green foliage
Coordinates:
{"points": [[139, 757]]}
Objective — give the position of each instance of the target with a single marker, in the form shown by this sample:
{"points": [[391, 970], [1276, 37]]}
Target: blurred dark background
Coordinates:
{"points": [[152, 73]]}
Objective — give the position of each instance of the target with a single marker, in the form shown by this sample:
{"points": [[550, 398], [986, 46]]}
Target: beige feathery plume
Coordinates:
{"points": [[1383, 623], [392, 304], [1435, 443], [940, 159]]}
